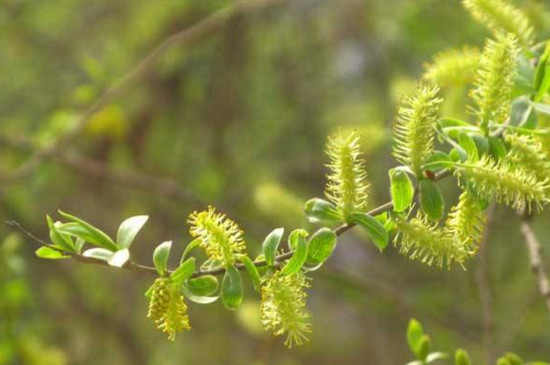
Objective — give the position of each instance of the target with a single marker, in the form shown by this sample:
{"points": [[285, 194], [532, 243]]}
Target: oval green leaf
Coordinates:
{"points": [[431, 200], [271, 244], [232, 288], [184, 271], [321, 245], [160, 257], [401, 189], [375, 230], [49, 253], [203, 286], [297, 241], [252, 271], [129, 229], [319, 210]]}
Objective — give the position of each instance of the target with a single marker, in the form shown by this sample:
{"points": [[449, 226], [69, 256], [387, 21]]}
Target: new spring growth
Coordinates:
{"points": [[347, 185], [283, 307], [494, 85], [500, 181], [466, 222], [414, 128], [527, 152], [167, 308], [424, 241], [453, 67], [501, 17], [219, 236]]}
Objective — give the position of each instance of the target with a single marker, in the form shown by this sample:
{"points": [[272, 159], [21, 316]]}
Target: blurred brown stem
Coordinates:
{"points": [[536, 260]]}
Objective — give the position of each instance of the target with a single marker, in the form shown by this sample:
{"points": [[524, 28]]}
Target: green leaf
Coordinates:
{"points": [[375, 230], [58, 238], [497, 148], [319, 210], [462, 358], [129, 229], [424, 349], [97, 236], [521, 113], [160, 257], [203, 286], [232, 288], [79, 244], [431, 200], [271, 244], [514, 359], [469, 146], [119, 258], [297, 241], [438, 160], [189, 248], [196, 298], [415, 332], [99, 253], [542, 75], [434, 356], [252, 272], [482, 143], [402, 190], [49, 253], [184, 271], [321, 245], [542, 108]]}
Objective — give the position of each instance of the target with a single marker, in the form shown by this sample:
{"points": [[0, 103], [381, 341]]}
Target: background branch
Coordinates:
{"points": [[536, 260], [198, 32]]}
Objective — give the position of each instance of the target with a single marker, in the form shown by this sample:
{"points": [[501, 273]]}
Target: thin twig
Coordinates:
{"points": [[536, 260], [205, 28], [96, 169], [131, 265]]}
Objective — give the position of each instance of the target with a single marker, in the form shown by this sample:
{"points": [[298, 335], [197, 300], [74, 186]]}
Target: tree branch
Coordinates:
{"points": [[133, 266], [205, 28], [92, 168], [536, 261]]}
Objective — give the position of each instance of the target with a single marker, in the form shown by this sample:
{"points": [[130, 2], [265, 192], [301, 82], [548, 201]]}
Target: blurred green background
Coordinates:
{"points": [[237, 120]]}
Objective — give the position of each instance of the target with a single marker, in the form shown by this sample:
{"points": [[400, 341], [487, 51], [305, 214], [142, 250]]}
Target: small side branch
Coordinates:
{"points": [[536, 261]]}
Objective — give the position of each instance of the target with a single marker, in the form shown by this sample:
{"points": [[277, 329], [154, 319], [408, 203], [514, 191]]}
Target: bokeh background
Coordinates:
{"points": [[238, 120]]}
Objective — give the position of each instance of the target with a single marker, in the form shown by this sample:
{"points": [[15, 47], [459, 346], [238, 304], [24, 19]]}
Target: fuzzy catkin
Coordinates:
{"points": [[415, 127], [347, 185]]}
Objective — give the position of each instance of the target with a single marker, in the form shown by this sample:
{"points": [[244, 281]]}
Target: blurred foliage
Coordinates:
{"points": [[238, 120]]}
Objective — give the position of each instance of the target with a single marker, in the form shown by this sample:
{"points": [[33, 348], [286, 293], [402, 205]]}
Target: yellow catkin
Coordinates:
{"points": [[219, 236], [347, 185], [283, 307], [167, 308]]}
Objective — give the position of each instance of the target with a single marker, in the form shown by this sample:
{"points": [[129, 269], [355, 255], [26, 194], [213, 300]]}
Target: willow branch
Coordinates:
{"points": [[99, 170], [192, 35], [133, 266], [536, 261]]}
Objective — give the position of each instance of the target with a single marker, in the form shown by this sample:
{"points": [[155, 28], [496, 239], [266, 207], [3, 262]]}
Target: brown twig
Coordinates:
{"points": [[536, 260], [205, 28], [96, 169], [131, 265]]}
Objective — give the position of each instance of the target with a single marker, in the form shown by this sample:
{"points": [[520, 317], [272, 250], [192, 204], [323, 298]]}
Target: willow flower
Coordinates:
{"points": [[503, 182], [347, 185], [466, 221], [283, 307], [167, 308], [528, 153], [414, 129], [501, 16], [494, 85], [424, 241], [219, 236], [453, 67]]}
